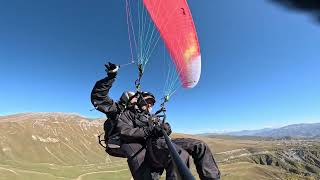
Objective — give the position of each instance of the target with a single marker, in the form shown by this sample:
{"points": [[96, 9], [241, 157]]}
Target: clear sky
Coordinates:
{"points": [[260, 63]]}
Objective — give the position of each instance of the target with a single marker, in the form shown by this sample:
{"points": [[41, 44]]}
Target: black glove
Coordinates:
{"points": [[154, 132], [166, 126], [157, 132], [111, 68], [153, 120]]}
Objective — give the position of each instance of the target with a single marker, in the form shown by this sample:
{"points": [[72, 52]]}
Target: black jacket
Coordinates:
{"points": [[133, 127], [102, 102]]}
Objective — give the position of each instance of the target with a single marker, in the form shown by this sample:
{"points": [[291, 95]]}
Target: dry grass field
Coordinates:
{"points": [[49, 146]]}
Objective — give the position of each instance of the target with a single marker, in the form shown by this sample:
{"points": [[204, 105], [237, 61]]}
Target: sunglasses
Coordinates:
{"points": [[150, 101]]}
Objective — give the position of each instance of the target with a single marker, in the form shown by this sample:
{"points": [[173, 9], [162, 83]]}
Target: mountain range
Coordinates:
{"points": [[311, 130]]}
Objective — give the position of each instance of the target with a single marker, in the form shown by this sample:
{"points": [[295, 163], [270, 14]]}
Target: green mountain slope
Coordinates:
{"points": [[64, 146]]}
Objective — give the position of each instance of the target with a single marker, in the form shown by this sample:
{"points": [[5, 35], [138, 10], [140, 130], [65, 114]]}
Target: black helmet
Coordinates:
{"points": [[126, 96], [146, 98]]}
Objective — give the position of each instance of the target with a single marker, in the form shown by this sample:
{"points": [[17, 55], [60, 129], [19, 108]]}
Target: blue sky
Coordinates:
{"points": [[260, 63]]}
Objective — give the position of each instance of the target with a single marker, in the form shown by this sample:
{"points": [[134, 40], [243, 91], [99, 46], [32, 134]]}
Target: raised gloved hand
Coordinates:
{"points": [[166, 126], [112, 68]]}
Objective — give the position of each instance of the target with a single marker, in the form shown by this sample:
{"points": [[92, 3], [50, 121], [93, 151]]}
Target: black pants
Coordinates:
{"points": [[202, 156], [140, 166]]}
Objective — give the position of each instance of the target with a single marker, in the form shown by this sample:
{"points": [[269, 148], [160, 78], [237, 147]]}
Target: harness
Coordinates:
{"points": [[153, 159], [100, 140]]}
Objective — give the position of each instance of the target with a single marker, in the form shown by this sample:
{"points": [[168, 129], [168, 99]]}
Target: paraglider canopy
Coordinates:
{"points": [[173, 21], [175, 24]]}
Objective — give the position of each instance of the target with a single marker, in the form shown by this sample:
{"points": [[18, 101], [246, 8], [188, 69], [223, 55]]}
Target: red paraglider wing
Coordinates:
{"points": [[174, 21]]}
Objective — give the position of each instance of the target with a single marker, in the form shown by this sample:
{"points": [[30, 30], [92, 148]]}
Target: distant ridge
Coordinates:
{"points": [[311, 130], [30, 115], [249, 132]]}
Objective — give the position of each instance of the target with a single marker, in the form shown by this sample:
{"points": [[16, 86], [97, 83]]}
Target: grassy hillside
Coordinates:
{"points": [[64, 146]]}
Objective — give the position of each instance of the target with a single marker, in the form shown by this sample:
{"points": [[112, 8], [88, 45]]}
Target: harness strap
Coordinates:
{"points": [[102, 140], [135, 154]]}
